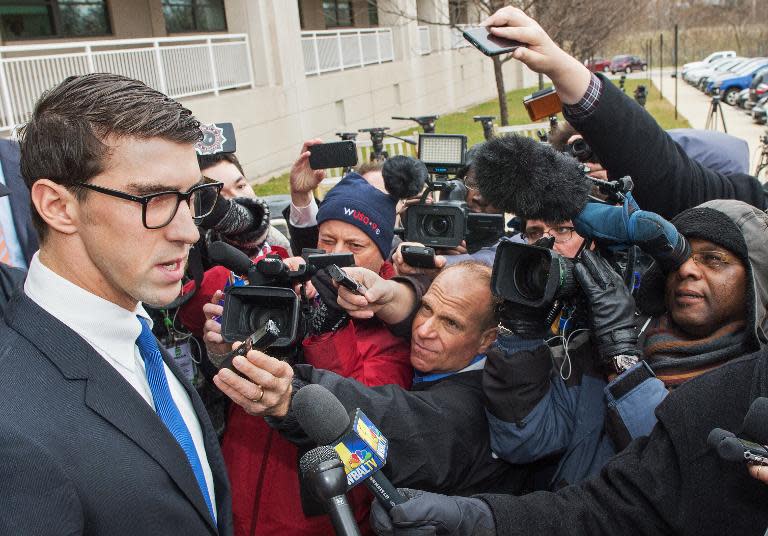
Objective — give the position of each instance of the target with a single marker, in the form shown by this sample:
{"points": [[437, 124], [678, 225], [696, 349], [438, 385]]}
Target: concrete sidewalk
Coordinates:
{"points": [[694, 106]]}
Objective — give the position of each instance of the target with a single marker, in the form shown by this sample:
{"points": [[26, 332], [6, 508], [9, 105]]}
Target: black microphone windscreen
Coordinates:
{"points": [[230, 257], [320, 414], [531, 179], [315, 457], [716, 436], [731, 449], [404, 176], [756, 421]]}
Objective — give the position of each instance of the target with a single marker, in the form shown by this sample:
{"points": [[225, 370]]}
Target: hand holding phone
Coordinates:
{"points": [[260, 340], [342, 279]]}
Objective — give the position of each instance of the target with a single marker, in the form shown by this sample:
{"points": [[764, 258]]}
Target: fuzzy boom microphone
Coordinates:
{"points": [[530, 179]]}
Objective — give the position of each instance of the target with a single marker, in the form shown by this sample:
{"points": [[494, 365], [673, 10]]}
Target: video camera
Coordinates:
{"points": [[448, 221], [269, 294], [534, 275]]}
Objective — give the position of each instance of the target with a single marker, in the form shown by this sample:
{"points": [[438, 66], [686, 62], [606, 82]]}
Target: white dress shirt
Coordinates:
{"points": [[112, 331]]}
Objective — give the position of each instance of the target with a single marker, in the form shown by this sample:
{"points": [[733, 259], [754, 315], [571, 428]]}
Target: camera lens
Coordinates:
{"points": [[437, 225], [530, 276]]}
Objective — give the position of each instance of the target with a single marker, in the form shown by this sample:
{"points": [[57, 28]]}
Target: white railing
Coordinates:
{"points": [[529, 130], [337, 50], [177, 66], [424, 43]]}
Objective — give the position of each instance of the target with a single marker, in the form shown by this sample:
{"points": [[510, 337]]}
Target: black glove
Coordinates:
{"points": [[427, 513], [525, 322], [612, 309], [326, 315]]}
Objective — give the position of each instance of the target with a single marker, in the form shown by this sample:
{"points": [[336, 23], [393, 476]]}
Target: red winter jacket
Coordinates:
{"points": [[263, 467]]}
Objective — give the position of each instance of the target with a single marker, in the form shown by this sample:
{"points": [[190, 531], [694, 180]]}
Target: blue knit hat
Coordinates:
{"points": [[353, 200]]}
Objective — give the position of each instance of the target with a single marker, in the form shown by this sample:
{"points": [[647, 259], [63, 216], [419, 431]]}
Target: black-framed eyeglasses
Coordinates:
{"points": [[561, 234], [159, 209]]}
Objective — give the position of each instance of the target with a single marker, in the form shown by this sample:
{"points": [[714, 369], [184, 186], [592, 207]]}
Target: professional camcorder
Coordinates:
{"points": [[269, 294], [448, 221]]}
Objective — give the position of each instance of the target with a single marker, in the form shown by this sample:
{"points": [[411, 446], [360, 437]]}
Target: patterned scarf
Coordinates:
{"points": [[676, 358]]}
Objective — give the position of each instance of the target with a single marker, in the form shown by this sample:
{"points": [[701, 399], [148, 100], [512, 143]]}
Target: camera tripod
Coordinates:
{"points": [[762, 163], [715, 110]]}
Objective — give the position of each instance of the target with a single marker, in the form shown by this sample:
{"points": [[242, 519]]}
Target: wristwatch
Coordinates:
{"points": [[622, 363]]}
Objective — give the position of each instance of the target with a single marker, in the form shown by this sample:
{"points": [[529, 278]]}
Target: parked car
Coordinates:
{"points": [[694, 76], [729, 84], [731, 65], [598, 65], [627, 63], [708, 60], [757, 88], [760, 111], [742, 98]]}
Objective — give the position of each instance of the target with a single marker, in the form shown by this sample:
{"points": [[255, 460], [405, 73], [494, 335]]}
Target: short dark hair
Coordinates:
{"points": [[64, 139], [209, 160]]}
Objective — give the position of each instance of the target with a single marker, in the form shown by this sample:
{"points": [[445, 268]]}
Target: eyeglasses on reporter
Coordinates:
{"points": [[158, 209], [561, 234], [714, 260]]}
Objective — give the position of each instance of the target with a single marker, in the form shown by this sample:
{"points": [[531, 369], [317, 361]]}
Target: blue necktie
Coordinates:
{"points": [[165, 406]]}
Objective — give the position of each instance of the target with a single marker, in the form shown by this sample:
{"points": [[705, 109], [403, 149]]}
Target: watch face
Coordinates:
{"points": [[624, 362]]}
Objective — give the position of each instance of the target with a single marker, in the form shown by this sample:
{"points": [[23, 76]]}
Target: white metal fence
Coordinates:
{"points": [[326, 51], [177, 66], [424, 42]]}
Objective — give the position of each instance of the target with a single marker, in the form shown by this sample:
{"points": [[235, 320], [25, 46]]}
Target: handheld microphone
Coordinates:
{"points": [[404, 176], [359, 444], [735, 449], [229, 257], [323, 470]]}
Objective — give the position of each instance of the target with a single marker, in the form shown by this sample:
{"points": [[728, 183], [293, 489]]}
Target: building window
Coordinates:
{"points": [[32, 19], [457, 12], [373, 13], [337, 13], [194, 16]]}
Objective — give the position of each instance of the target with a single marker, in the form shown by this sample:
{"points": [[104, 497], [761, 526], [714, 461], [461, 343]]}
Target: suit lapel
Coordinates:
{"points": [[107, 393]]}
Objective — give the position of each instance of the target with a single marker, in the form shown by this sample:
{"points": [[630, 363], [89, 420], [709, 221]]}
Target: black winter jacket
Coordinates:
{"points": [[667, 483], [438, 433], [628, 141]]}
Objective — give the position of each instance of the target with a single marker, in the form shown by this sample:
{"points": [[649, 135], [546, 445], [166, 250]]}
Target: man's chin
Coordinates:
{"points": [[160, 295]]}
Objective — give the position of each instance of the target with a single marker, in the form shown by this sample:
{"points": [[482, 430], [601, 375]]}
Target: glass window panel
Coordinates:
{"points": [[22, 20], [194, 15], [83, 18]]}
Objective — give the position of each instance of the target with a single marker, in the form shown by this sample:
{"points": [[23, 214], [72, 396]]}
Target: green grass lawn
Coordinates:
{"points": [[462, 123]]}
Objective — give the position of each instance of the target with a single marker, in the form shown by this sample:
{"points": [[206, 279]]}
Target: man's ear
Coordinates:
{"points": [[487, 339], [56, 205]]}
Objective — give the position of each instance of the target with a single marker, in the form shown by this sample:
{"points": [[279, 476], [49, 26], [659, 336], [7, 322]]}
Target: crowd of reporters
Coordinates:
{"points": [[513, 399]]}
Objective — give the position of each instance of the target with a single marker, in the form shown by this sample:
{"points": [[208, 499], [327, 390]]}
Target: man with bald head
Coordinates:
{"points": [[437, 431]]}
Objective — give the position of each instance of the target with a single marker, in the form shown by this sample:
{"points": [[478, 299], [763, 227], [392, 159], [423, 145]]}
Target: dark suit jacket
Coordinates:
{"points": [[20, 202], [81, 452]]}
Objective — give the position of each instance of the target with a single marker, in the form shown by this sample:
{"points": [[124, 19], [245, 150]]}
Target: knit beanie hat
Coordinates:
{"points": [[713, 226], [353, 200]]}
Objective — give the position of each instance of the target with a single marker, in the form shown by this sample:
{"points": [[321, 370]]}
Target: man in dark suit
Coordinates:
{"points": [[15, 217], [101, 433]]}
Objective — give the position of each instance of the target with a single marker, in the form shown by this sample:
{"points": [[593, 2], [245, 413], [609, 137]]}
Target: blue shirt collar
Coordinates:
{"points": [[419, 377]]}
